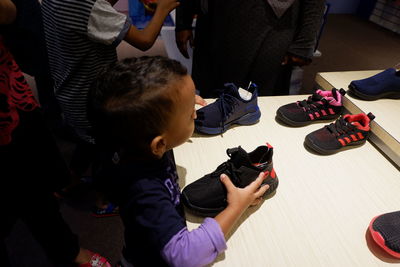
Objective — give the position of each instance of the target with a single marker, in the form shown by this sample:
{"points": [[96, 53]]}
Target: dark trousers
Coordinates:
{"points": [[31, 169]]}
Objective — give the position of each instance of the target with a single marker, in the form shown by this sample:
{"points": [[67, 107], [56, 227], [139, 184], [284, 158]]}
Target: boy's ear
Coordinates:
{"points": [[158, 146]]}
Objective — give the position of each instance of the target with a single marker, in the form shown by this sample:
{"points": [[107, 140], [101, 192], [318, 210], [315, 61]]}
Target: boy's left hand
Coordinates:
{"points": [[200, 101]]}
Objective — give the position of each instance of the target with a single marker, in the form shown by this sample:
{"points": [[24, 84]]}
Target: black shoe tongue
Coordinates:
{"points": [[239, 157]]}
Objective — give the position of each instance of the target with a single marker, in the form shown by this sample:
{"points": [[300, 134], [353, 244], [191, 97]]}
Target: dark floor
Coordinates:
{"points": [[348, 43]]}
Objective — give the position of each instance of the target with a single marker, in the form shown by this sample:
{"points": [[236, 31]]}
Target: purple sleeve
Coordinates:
{"points": [[196, 248]]}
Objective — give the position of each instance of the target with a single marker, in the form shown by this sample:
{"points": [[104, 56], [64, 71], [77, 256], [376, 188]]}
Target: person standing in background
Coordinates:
{"points": [[242, 41], [81, 38]]}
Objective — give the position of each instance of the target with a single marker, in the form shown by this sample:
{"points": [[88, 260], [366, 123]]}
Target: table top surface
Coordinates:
{"points": [[323, 205], [386, 111]]}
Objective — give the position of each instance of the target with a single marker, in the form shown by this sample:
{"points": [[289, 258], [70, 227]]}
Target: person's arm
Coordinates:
{"points": [[183, 30], [310, 21], [8, 12], [144, 39], [198, 247], [201, 246]]}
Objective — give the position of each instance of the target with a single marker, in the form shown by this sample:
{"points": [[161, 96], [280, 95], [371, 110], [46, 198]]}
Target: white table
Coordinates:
{"points": [[322, 207]]}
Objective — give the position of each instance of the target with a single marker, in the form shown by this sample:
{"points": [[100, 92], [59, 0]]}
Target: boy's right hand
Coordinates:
{"points": [[242, 198], [167, 5]]}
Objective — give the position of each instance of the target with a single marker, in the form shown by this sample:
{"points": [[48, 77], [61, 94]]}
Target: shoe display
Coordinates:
{"points": [[385, 231], [347, 131], [207, 196], [385, 84], [322, 105], [234, 106]]}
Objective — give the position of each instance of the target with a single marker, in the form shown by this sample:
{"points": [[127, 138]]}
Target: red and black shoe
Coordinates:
{"points": [[322, 105], [385, 230], [347, 131], [208, 196]]}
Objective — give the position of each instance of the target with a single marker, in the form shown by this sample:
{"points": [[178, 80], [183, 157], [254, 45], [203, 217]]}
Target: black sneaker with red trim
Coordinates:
{"points": [[385, 230], [207, 196], [347, 131], [322, 105]]}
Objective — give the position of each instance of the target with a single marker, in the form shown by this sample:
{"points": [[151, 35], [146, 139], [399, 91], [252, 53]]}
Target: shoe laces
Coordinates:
{"points": [[311, 102], [340, 126], [226, 104]]}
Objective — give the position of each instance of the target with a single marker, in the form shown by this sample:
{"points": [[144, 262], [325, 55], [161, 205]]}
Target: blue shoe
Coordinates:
{"points": [[233, 106], [385, 84]]}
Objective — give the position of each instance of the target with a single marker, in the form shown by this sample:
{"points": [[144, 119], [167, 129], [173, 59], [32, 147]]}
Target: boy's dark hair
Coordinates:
{"points": [[132, 102]]}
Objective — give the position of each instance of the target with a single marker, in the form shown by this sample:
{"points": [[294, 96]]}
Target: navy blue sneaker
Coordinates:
{"points": [[234, 106], [385, 84]]}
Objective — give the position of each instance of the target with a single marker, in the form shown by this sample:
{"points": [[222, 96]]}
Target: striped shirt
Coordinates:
{"points": [[81, 38]]}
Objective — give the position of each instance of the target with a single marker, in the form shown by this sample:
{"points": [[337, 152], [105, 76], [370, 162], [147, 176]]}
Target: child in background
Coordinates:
{"points": [[143, 108], [81, 38]]}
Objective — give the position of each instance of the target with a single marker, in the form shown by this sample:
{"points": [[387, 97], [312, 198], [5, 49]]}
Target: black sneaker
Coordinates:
{"points": [[348, 130], [322, 105], [385, 230], [234, 106], [207, 196]]}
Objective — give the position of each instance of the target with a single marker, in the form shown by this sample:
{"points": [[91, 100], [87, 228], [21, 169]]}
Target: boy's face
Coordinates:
{"points": [[181, 126]]}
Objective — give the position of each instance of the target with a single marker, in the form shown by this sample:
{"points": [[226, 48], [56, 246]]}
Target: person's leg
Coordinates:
{"points": [[82, 158], [44, 220], [35, 168], [203, 61], [48, 102], [8, 220], [267, 71]]}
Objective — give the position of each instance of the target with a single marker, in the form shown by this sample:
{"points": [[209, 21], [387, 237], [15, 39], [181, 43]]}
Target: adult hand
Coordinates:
{"points": [[242, 198], [182, 38], [200, 101], [295, 61]]}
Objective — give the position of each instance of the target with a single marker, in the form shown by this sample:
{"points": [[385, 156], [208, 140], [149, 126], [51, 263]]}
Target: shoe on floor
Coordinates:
{"points": [[96, 261], [385, 84], [108, 211], [385, 231], [345, 132], [322, 105], [234, 106], [207, 196]]}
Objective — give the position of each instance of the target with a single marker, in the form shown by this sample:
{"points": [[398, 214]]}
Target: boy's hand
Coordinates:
{"points": [[242, 198], [200, 101], [167, 5]]}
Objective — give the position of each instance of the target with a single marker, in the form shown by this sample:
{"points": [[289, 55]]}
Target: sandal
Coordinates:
{"points": [[96, 261], [110, 210]]}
